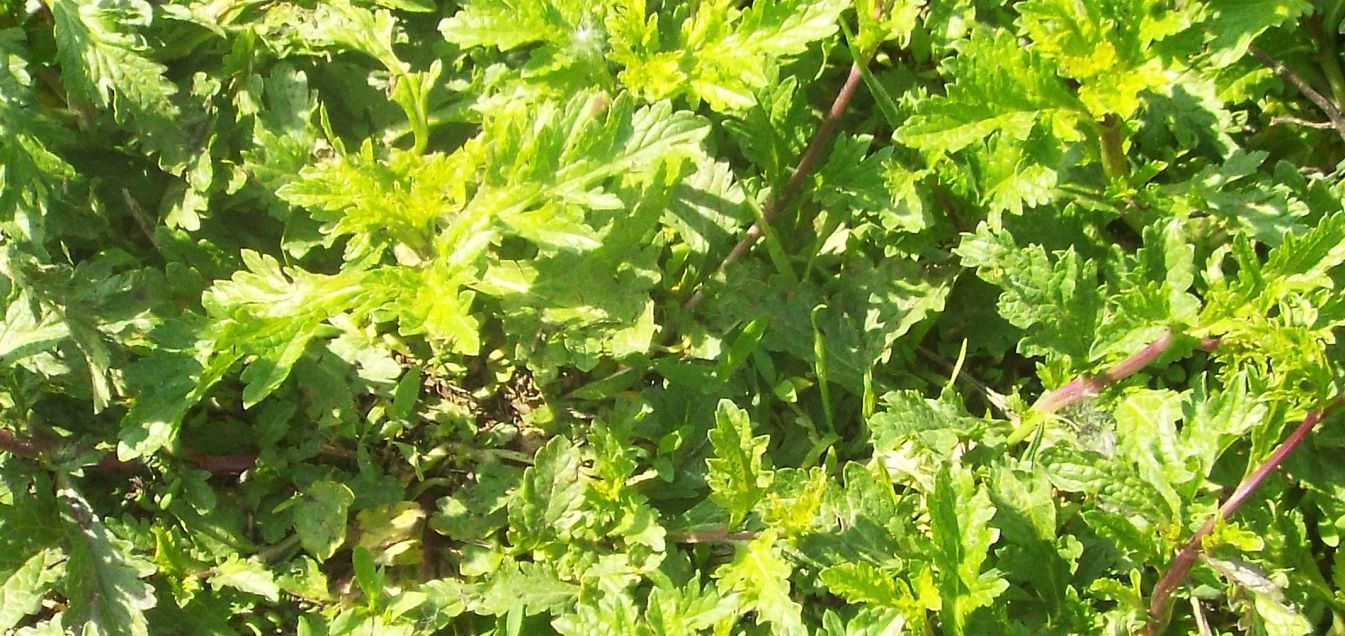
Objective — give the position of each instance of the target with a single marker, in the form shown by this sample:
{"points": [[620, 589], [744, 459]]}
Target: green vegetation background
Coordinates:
{"points": [[415, 316]]}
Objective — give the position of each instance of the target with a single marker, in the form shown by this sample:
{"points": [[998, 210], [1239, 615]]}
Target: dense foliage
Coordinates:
{"points": [[410, 317]]}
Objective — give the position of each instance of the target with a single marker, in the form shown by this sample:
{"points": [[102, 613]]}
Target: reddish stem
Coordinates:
{"points": [[715, 535], [22, 446], [807, 163], [36, 448], [1087, 386], [1161, 601], [222, 464]]}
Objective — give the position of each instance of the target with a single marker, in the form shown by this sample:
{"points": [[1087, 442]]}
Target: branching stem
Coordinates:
{"points": [[1179, 568], [1332, 113], [1160, 601]]}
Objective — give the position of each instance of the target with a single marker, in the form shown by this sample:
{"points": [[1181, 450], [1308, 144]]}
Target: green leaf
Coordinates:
{"points": [[431, 301], [343, 25], [1283, 349], [367, 574], [28, 513], [508, 24], [1218, 420], [1146, 433], [380, 203], [785, 27], [863, 583], [690, 607], [1233, 24], [526, 587], [320, 513], [870, 523], [283, 134], [33, 174], [853, 178], [738, 473], [1057, 297], [1306, 261], [1001, 87], [882, 22], [1012, 179], [269, 315], [445, 600], [722, 55], [248, 575], [866, 312], [1152, 297], [707, 207], [572, 153], [906, 416], [760, 575], [166, 386], [1275, 615], [104, 579], [590, 305], [1117, 485], [391, 533], [27, 330], [412, 93], [960, 513], [613, 614], [104, 63], [1104, 46], [22, 593], [1033, 545], [547, 502]]}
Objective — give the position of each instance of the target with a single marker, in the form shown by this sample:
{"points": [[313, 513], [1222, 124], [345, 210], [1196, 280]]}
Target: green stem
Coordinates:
{"points": [[1334, 77], [1328, 58], [1114, 163]]}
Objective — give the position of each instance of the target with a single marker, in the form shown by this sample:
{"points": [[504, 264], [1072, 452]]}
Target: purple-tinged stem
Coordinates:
{"points": [[1087, 386], [1161, 600], [36, 448], [714, 535], [807, 163], [21, 446]]}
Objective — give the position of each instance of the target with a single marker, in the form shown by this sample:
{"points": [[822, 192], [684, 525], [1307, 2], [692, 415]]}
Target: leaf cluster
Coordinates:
{"points": [[412, 317]]}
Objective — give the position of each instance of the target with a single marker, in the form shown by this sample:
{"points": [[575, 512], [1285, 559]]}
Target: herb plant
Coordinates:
{"points": [[648, 317]]}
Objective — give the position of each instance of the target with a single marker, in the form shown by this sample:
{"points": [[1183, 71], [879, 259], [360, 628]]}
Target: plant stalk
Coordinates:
{"points": [[35, 448], [1327, 56], [1291, 78], [1087, 386], [1160, 602], [1112, 148], [715, 535], [781, 200]]}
